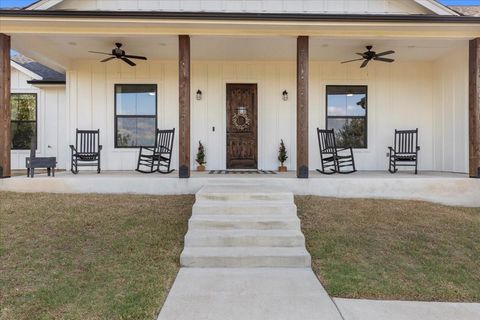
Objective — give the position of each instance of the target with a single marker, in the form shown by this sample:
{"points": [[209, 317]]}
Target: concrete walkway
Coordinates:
{"points": [[406, 310], [245, 259], [248, 294]]}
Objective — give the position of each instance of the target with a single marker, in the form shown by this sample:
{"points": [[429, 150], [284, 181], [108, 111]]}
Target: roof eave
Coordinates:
{"points": [[39, 83], [243, 16]]}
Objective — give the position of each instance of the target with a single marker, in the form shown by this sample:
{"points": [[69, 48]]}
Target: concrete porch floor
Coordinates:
{"points": [[440, 187]]}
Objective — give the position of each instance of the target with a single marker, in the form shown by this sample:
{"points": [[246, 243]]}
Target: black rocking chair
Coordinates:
{"points": [[405, 149], [158, 157], [333, 159], [86, 152]]}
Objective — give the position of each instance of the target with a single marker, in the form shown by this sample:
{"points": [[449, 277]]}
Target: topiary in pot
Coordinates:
{"points": [[200, 157], [282, 156]]}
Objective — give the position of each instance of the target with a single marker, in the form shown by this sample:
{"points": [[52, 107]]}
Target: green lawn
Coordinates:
{"points": [[88, 256], [115, 257], [383, 249]]}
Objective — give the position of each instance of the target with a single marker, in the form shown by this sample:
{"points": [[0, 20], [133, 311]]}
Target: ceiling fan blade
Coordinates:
{"points": [[108, 54], [364, 64], [108, 59], [134, 57], [384, 59], [352, 60], [384, 53], [129, 62]]}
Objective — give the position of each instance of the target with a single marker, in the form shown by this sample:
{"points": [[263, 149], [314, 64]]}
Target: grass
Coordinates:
{"points": [[116, 256], [88, 256], [382, 249]]}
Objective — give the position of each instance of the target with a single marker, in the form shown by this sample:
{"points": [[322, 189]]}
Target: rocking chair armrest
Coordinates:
{"points": [[73, 148], [418, 148], [100, 147], [392, 151]]}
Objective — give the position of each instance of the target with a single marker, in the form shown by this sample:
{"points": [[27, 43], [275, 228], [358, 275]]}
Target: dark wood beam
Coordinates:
{"points": [[184, 106], [5, 139], [302, 107], [474, 108]]}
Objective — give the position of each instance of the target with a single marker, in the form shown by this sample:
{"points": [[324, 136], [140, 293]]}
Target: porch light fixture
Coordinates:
{"points": [[199, 95], [285, 95]]}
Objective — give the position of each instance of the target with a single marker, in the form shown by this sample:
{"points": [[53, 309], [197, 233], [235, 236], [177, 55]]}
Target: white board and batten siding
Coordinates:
{"points": [[270, 6], [90, 90], [51, 107], [400, 96]]}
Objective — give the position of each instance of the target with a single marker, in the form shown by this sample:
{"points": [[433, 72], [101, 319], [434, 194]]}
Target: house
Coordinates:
{"points": [[217, 67], [37, 109]]}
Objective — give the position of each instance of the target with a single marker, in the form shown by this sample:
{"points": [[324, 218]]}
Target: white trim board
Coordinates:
{"points": [[431, 5], [24, 70]]}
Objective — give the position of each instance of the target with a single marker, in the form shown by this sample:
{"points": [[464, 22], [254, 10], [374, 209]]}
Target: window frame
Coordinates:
{"points": [[365, 117], [25, 121], [117, 116]]}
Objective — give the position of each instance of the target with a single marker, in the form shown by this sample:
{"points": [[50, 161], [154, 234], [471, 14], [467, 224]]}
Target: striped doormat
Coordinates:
{"points": [[242, 172]]}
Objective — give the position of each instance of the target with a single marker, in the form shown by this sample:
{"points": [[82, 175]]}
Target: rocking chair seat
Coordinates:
{"points": [[405, 157], [86, 156]]}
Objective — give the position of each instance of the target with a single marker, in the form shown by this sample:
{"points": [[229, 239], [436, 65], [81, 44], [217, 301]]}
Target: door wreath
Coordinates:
{"points": [[240, 121]]}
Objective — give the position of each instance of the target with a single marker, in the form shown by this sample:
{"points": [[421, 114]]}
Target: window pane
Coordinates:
{"points": [[346, 101], [23, 106], [135, 132], [136, 99], [337, 105], [349, 132], [357, 105], [22, 133]]}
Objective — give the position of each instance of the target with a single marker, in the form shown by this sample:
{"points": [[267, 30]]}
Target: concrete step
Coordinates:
{"points": [[227, 193], [247, 208], [245, 257], [244, 238], [241, 222]]}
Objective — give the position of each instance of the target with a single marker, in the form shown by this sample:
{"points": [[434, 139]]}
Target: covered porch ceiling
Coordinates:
{"points": [[59, 38], [61, 51]]}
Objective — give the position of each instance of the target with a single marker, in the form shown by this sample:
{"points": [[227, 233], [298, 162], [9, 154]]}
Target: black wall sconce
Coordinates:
{"points": [[285, 95], [199, 95]]}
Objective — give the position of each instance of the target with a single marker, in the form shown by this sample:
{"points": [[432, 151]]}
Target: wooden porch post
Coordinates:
{"points": [[184, 106], [5, 140], [474, 108], [302, 107]]}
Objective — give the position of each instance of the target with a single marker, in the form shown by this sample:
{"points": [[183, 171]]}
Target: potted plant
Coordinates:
{"points": [[282, 157], [200, 157]]}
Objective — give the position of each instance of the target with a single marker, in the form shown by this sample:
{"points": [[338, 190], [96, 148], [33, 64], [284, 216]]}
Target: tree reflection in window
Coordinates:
{"points": [[23, 120], [135, 115], [347, 115]]}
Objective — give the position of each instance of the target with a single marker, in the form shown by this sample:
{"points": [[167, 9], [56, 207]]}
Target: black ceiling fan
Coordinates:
{"points": [[372, 55], [118, 53]]}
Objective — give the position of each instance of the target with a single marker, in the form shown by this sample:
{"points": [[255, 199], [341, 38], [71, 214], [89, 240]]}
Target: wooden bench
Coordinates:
{"points": [[33, 162]]}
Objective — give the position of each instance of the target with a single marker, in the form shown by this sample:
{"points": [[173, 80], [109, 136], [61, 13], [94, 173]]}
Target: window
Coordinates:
{"points": [[347, 115], [23, 120], [135, 115]]}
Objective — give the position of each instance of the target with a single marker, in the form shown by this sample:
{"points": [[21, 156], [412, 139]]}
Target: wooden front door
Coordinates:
{"points": [[241, 126]]}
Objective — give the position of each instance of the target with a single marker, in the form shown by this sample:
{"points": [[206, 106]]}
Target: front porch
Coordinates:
{"points": [[425, 88], [440, 187]]}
